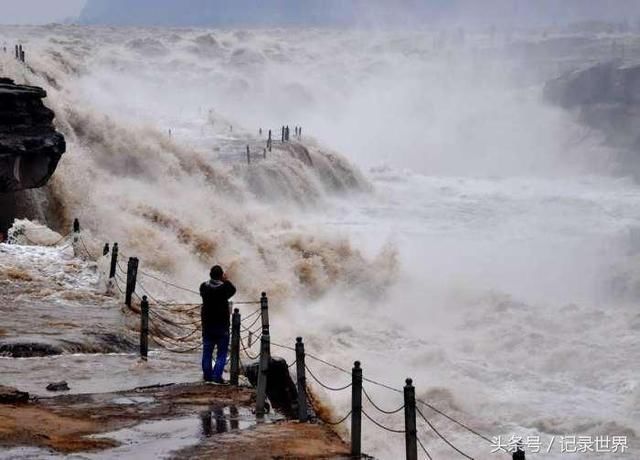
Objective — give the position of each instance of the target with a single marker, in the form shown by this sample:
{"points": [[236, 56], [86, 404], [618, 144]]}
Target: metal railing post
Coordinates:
{"points": [[264, 311], [235, 347], [144, 328], [265, 358], [76, 237], [411, 439], [303, 414], [132, 275], [519, 454], [356, 410], [114, 260]]}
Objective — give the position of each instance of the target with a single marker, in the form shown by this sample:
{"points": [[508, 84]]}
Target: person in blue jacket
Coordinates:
{"points": [[215, 315]]}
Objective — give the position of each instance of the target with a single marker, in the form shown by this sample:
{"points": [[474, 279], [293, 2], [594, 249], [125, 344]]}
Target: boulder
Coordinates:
{"points": [[281, 390], [58, 386], [30, 147], [10, 395], [29, 349]]}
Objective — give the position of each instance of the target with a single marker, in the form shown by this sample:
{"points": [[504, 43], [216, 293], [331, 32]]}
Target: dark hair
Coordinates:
{"points": [[216, 272]]}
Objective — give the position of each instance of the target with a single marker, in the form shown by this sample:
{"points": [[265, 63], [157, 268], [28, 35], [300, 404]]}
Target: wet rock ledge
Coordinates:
{"points": [[170, 421]]}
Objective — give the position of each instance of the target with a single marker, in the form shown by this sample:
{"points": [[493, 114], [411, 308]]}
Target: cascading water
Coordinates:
{"points": [[486, 252]]}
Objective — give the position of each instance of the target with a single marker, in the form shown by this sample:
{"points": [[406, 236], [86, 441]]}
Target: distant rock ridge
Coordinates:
{"points": [[347, 12], [605, 97], [30, 147], [605, 83], [216, 12]]}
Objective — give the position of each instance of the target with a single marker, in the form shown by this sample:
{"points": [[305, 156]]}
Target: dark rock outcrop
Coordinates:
{"points": [[604, 83], [605, 97], [58, 386], [91, 342], [281, 390], [30, 147], [29, 350], [9, 395]]}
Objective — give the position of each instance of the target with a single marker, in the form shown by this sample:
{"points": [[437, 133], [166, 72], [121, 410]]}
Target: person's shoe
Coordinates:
{"points": [[220, 381]]}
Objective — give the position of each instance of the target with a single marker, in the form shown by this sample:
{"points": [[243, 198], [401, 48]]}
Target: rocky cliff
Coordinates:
{"points": [[605, 97], [607, 83], [30, 147]]}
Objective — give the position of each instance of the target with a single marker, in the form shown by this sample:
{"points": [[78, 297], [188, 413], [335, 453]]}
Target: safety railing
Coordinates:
{"points": [[285, 136], [180, 335], [411, 407]]}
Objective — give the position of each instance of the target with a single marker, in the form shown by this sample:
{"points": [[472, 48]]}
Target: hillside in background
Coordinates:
{"points": [[345, 12], [215, 12]]}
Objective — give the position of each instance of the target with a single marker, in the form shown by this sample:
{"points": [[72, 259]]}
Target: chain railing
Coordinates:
{"points": [[177, 335]]}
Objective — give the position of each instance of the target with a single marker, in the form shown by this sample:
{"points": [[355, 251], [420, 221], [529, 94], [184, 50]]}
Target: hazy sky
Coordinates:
{"points": [[38, 11]]}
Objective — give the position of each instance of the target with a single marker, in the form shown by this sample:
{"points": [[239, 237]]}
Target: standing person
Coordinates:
{"points": [[215, 316]]}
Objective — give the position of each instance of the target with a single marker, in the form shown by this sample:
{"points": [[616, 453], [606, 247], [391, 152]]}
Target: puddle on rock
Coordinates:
{"points": [[158, 439], [130, 401], [223, 420]]}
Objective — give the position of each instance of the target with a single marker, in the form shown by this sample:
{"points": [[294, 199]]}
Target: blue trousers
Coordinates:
{"points": [[221, 342]]}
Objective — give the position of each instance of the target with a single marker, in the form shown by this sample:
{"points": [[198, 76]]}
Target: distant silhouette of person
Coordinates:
{"points": [[215, 316]]}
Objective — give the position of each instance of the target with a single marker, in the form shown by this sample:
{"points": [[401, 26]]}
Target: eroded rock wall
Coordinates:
{"points": [[30, 147]]}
